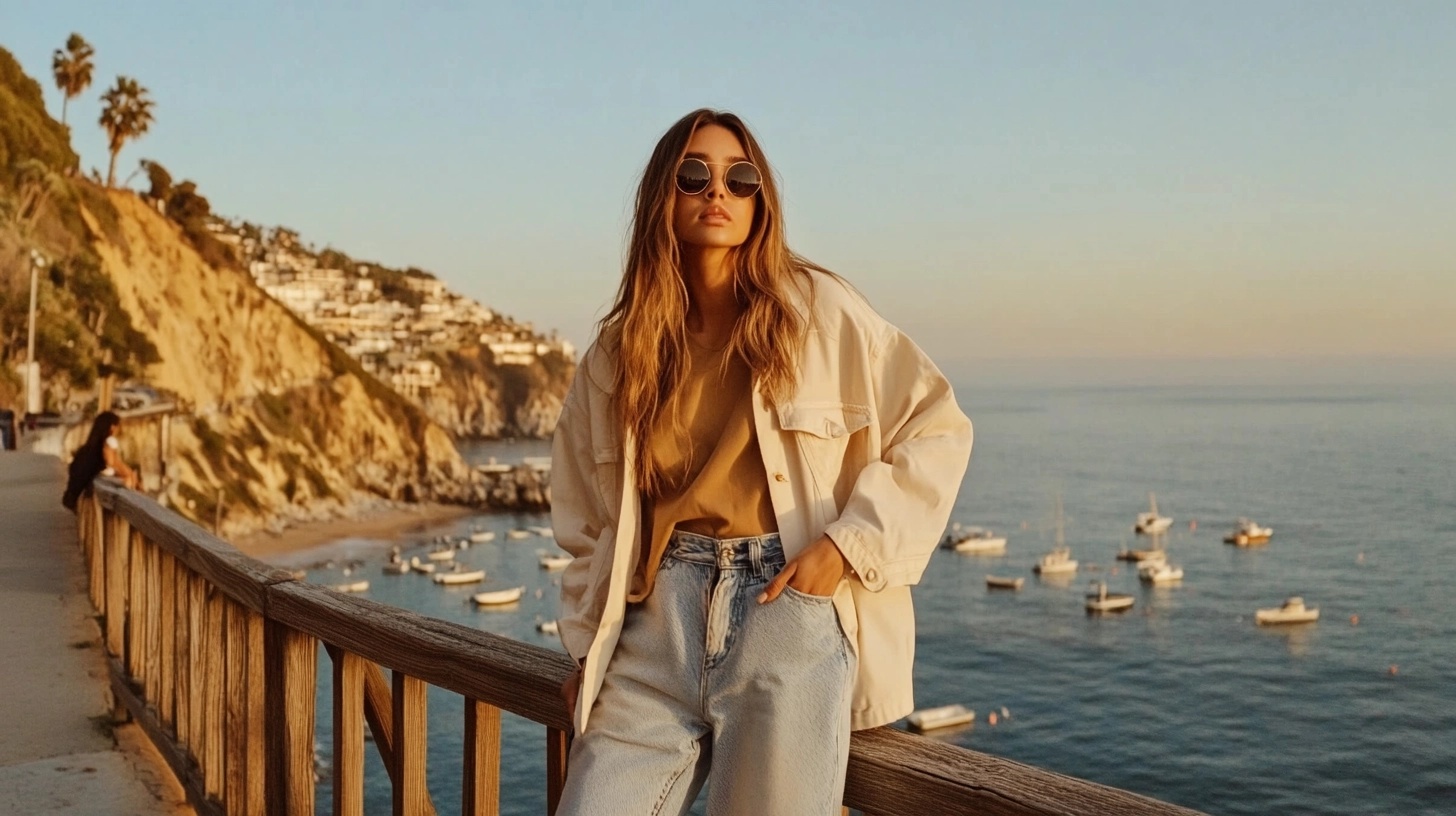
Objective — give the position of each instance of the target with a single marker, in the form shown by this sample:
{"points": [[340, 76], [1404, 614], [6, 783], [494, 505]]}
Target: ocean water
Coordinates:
{"points": [[1182, 698]]}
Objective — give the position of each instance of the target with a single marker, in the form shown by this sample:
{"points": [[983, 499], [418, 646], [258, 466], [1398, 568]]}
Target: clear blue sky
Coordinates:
{"points": [[1009, 180]]}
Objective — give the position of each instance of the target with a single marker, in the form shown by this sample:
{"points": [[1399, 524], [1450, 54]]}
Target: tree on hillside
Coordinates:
{"points": [[73, 68], [126, 114], [159, 178]]}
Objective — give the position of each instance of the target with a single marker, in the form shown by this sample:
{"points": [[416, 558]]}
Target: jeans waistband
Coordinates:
{"points": [[763, 554]]}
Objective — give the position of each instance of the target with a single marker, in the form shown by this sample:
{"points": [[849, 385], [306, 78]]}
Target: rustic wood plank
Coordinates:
{"points": [[379, 713], [167, 645], [244, 579], [514, 676], [214, 697], [289, 661], [117, 549], [558, 747], [480, 788], [95, 552], [235, 708], [196, 645], [255, 761], [152, 626], [410, 736], [175, 758], [182, 652], [135, 602], [892, 772], [348, 778]]}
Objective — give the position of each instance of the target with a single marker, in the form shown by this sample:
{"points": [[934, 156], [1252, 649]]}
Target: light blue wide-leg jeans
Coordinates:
{"points": [[707, 684]]}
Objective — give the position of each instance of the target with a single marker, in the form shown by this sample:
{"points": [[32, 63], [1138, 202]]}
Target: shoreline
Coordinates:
{"points": [[386, 524]]}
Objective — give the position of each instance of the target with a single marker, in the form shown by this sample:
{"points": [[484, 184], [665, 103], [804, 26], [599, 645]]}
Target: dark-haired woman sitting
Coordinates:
{"points": [[99, 455]]}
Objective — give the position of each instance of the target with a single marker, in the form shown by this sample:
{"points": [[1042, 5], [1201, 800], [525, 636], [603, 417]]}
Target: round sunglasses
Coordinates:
{"points": [[741, 178]]}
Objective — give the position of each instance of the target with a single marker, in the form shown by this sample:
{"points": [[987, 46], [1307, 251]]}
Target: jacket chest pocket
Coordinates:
{"points": [[821, 431]]}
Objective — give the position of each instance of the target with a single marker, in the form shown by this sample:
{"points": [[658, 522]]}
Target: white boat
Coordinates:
{"points": [[1141, 556], [517, 535], [1293, 611], [929, 719], [482, 536], [1159, 572], [355, 586], [974, 541], [555, 562], [1149, 522], [1248, 532], [396, 568], [547, 627], [998, 582], [1100, 600], [1059, 561], [499, 596], [441, 555], [422, 567], [544, 532], [460, 576]]}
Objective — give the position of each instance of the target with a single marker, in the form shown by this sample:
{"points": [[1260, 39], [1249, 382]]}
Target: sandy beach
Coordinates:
{"points": [[386, 524]]}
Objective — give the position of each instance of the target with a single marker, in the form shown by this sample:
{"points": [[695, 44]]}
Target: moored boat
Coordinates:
{"points": [[499, 596], [396, 568], [555, 562], [1150, 522], [1100, 600], [930, 719], [353, 586], [460, 576], [441, 555], [1159, 572], [517, 535], [974, 541], [423, 567], [999, 582], [547, 627], [482, 536], [1140, 556], [1293, 610], [1248, 533], [1059, 561]]}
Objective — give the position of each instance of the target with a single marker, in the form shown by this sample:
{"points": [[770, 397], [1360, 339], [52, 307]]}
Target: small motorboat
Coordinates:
{"points": [[354, 586], [930, 719], [1149, 522], [974, 541], [460, 576], [499, 596], [544, 532], [422, 567], [396, 568], [1248, 533], [1058, 561], [482, 536], [1140, 556], [1159, 572], [1292, 611], [518, 535], [441, 554], [555, 562], [547, 627], [1100, 600], [998, 582]]}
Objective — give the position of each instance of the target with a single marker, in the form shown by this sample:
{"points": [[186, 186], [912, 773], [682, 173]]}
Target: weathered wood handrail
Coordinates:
{"points": [[215, 655]]}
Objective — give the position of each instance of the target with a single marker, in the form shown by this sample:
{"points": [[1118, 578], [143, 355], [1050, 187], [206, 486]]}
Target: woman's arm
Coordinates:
{"points": [[576, 514], [121, 468]]}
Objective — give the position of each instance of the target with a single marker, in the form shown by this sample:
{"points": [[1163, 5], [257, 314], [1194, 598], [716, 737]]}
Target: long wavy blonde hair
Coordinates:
{"points": [[648, 322]]}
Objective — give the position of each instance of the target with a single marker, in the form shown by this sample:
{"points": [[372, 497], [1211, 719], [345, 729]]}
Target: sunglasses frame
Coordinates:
{"points": [[710, 166]]}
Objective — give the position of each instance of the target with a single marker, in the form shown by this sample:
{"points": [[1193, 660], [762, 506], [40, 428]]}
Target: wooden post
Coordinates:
{"points": [[167, 645], [214, 692], [558, 745], [255, 760], [136, 603], [411, 797], [182, 652], [291, 670], [196, 646], [96, 549], [152, 626], [348, 732], [118, 534], [480, 788]]}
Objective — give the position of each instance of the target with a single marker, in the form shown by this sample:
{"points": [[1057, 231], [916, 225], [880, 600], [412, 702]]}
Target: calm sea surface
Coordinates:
{"points": [[1183, 698]]}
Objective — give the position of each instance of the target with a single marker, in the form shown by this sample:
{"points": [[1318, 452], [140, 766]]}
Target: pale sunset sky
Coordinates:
{"points": [[1006, 181]]}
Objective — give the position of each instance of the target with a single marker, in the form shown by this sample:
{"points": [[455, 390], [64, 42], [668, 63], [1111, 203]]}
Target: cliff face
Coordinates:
{"points": [[275, 422], [478, 398]]}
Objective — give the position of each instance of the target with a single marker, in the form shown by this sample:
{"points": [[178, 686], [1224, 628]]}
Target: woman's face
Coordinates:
{"points": [[714, 217]]}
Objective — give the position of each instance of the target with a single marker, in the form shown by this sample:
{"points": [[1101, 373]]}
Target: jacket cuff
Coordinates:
{"points": [[851, 543]]}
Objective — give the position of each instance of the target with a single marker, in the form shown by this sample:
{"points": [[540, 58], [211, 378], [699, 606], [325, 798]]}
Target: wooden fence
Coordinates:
{"points": [[215, 654]]}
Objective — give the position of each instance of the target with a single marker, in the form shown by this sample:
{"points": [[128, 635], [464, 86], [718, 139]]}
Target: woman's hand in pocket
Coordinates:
{"points": [[815, 571]]}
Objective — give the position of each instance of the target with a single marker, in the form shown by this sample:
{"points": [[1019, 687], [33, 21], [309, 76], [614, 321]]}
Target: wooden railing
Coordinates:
{"points": [[215, 654]]}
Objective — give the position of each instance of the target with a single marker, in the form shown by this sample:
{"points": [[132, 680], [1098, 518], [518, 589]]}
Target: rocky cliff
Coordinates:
{"points": [[277, 423], [477, 398]]}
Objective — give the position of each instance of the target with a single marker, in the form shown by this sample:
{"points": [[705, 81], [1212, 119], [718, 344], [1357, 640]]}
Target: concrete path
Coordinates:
{"points": [[60, 752]]}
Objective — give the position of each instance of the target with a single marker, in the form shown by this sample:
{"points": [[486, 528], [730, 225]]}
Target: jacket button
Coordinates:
{"points": [[779, 477], [872, 575]]}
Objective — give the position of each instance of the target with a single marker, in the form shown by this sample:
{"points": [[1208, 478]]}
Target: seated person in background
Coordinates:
{"points": [[100, 455]]}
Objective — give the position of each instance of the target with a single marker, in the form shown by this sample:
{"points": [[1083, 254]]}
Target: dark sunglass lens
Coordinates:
{"points": [[743, 180], [693, 176]]}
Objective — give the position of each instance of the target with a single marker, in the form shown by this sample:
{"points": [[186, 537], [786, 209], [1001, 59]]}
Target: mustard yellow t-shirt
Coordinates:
{"points": [[714, 481]]}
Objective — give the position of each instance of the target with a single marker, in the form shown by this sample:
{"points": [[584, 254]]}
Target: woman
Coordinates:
{"points": [[751, 469], [99, 455]]}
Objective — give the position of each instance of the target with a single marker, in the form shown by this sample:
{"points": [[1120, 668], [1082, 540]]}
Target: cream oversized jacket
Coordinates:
{"points": [[871, 450]]}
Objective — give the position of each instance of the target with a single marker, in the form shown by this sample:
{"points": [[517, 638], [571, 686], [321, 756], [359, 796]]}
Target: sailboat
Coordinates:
{"points": [[1059, 560], [1150, 523]]}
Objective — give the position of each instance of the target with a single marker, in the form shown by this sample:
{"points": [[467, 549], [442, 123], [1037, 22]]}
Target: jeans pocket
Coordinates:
{"points": [[816, 600]]}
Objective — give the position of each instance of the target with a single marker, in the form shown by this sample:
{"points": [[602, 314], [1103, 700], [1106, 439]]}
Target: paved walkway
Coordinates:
{"points": [[60, 752]]}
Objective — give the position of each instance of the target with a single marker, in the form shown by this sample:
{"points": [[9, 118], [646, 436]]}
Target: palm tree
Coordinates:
{"points": [[126, 113], [73, 68]]}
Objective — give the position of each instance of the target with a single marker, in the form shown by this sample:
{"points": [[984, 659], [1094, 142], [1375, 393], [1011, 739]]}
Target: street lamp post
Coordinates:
{"points": [[32, 369]]}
